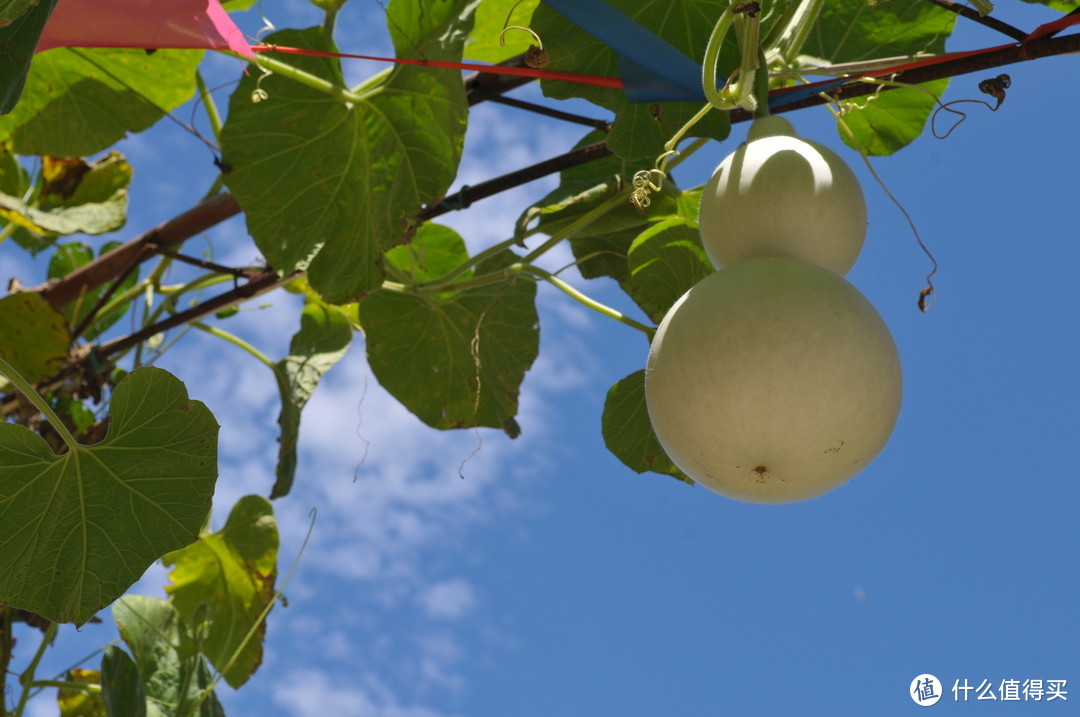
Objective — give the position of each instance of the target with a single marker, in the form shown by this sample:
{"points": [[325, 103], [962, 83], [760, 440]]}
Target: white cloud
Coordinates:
{"points": [[449, 599], [312, 693]]}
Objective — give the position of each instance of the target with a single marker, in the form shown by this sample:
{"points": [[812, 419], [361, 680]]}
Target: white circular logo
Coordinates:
{"points": [[925, 690]]}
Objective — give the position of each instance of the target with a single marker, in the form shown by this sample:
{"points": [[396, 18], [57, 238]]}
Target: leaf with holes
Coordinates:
{"points": [[458, 359], [80, 528], [343, 181], [95, 202], [226, 580]]}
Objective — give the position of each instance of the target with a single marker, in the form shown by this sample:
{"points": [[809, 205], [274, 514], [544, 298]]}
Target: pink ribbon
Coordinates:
{"points": [[198, 24]]}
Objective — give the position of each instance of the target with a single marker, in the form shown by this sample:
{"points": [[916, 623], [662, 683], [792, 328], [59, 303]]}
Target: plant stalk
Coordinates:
{"points": [[24, 387], [28, 675]]}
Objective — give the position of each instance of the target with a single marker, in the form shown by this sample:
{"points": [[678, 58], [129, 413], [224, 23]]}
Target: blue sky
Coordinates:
{"points": [[552, 580]]}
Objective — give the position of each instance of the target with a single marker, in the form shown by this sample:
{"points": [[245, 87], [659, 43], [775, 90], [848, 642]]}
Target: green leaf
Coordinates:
{"points": [[1062, 5], [21, 25], [886, 122], [121, 685], [80, 528], [94, 202], [640, 130], [434, 251], [79, 101], [174, 673], [68, 258], [76, 702], [853, 30], [237, 5], [421, 349], [15, 182], [10, 10], [226, 580], [483, 43], [666, 260], [628, 433], [323, 340], [601, 248], [342, 183], [34, 336]]}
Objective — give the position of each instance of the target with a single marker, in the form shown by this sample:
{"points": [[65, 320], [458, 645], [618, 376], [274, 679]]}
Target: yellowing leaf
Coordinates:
{"points": [[79, 703], [34, 336], [227, 579]]}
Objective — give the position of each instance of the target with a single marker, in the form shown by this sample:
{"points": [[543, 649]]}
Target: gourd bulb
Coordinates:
{"points": [[772, 381], [779, 195]]}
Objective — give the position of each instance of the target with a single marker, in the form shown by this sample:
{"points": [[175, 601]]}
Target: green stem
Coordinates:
{"points": [[672, 143], [234, 340], [27, 390], [65, 685], [588, 301], [329, 19], [800, 24], [7, 231], [341, 94], [574, 227], [712, 54], [469, 263], [694, 146], [761, 86], [28, 675], [212, 112]]}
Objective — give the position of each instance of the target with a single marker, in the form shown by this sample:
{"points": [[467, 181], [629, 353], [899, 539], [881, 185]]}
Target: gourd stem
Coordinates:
{"points": [[24, 387], [761, 86], [588, 300], [234, 340], [585, 220], [712, 53]]}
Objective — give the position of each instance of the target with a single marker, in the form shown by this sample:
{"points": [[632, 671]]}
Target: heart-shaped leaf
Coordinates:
{"points": [[456, 359], [343, 181], [78, 529]]}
